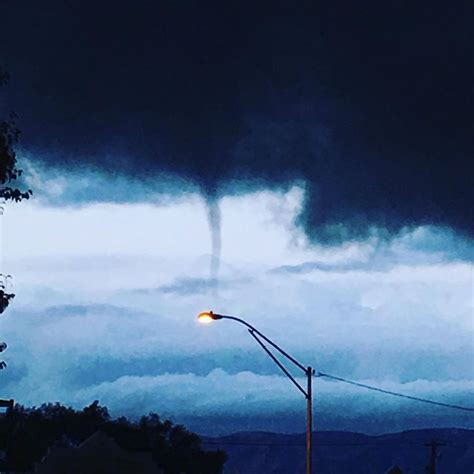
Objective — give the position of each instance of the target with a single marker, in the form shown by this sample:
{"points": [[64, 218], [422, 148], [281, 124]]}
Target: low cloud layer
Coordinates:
{"points": [[107, 297]]}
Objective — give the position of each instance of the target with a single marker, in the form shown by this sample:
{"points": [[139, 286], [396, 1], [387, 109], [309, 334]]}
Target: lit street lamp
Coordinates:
{"points": [[209, 317]]}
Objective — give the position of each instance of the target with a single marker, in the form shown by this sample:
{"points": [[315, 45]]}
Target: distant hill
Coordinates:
{"points": [[337, 452]]}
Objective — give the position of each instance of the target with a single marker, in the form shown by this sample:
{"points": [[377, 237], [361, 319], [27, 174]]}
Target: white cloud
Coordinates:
{"points": [[245, 394], [389, 312]]}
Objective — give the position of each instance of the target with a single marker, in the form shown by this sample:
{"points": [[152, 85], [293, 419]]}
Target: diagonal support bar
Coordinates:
{"points": [[279, 349], [265, 338], [277, 362]]}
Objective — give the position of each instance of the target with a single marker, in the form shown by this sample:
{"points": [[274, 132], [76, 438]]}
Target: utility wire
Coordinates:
{"points": [[395, 394], [335, 445]]}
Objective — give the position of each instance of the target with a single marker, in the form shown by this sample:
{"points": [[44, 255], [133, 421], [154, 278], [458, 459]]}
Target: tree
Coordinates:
{"points": [[9, 173], [26, 434]]}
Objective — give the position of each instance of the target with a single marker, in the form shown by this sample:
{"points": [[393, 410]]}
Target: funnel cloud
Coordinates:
{"points": [[214, 219], [356, 102]]}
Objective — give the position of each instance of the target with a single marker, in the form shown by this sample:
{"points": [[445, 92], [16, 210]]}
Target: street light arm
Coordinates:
{"points": [[277, 362], [208, 316], [256, 331]]}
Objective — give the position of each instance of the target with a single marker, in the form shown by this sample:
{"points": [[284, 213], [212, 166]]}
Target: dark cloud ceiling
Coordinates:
{"points": [[370, 103]]}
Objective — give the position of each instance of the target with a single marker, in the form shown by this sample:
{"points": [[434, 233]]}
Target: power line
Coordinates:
{"points": [[395, 394], [301, 445], [335, 445]]}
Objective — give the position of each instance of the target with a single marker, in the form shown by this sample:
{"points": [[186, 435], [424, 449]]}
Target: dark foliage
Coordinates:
{"points": [[5, 297], [27, 433], [9, 172], [9, 134]]}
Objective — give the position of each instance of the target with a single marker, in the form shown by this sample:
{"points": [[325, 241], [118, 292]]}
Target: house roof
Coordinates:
{"points": [[98, 449]]}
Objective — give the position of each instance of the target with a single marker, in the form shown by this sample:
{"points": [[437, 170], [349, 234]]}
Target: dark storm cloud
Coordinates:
{"points": [[192, 286], [369, 102], [183, 287]]}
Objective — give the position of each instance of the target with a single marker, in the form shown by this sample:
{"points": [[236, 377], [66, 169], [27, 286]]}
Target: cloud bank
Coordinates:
{"points": [[107, 296]]}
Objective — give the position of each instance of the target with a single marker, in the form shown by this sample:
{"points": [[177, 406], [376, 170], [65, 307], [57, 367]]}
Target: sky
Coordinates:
{"points": [[306, 167]]}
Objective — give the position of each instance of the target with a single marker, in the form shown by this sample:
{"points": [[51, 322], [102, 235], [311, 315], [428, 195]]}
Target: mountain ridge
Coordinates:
{"points": [[346, 452]]}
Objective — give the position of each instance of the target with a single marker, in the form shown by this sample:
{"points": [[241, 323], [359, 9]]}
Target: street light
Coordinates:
{"points": [[208, 317]]}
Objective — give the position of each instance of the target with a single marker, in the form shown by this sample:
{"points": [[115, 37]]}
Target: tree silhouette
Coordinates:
{"points": [[9, 173], [395, 470], [26, 434]]}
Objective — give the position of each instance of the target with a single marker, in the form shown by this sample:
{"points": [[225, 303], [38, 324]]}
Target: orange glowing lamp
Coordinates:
{"points": [[207, 317]]}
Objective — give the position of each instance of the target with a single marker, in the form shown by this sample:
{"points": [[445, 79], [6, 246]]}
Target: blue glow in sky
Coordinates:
{"points": [[108, 293]]}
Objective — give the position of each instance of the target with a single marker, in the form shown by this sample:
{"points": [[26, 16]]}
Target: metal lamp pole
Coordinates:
{"points": [[209, 316], [309, 419]]}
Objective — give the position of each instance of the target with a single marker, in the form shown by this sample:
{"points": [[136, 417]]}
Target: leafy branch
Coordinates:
{"points": [[9, 172]]}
